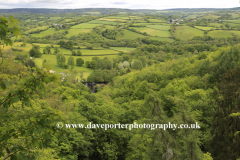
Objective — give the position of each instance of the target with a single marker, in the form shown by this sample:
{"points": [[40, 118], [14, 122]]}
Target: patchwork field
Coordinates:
{"points": [[84, 25], [74, 32], [131, 35], [111, 20], [204, 28], [223, 33], [186, 32], [52, 60], [156, 20], [122, 48], [118, 17], [159, 33], [37, 29], [215, 24], [161, 39], [232, 21], [160, 27], [102, 22], [47, 32]]}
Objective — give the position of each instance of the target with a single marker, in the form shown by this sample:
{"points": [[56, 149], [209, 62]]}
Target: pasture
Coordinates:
{"points": [[37, 29], [159, 33], [47, 32], [122, 48], [232, 21], [160, 27], [131, 35], [75, 32], [215, 24], [223, 33], [111, 20], [85, 25], [186, 32], [102, 22], [161, 39], [204, 28], [156, 20]]}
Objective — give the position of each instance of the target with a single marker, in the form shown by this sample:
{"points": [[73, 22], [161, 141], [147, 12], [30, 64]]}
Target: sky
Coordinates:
{"points": [[125, 4]]}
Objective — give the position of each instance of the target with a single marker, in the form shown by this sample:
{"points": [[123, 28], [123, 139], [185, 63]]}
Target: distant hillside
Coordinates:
{"points": [[102, 11]]}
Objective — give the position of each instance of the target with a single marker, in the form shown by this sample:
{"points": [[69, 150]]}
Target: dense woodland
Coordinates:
{"points": [[178, 66]]}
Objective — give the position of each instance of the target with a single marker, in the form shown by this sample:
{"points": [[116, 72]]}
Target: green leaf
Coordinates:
{"points": [[33, 119], [3, 85]]}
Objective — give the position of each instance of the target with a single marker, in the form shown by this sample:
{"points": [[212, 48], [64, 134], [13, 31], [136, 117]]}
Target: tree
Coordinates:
{"points": [[30, 63], [56, 50], [74, 53], [23, 136], [79, 53], [79, 62], [60, 59], [225, 129], [71, 62], [34, 52], [137, 64], [48, 49]]}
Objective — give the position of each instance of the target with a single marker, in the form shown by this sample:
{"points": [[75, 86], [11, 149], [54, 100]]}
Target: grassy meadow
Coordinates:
{"points": [[186, 32], [84, 25]]}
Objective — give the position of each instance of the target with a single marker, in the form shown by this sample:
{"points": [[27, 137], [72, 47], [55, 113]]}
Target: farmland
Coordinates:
{"points": [[85, 25], [74, 32], [131, 35], [223, 33], [47, 32], [204, 28], [102, 22], [186, 32], [160, 27]]}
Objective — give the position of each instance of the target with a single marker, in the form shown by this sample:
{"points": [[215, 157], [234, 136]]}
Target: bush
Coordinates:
{"points": [[35, 53], [79, 62], [79, 53], [74, 53], [65, 66], [30, 63]]}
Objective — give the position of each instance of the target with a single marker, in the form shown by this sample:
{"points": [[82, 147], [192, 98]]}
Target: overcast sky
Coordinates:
{"points": [[129, 4]]}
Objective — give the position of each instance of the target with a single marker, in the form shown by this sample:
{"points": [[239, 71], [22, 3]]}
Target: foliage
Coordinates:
{"points": [[60, 59], [71, 62], [79, 62]]}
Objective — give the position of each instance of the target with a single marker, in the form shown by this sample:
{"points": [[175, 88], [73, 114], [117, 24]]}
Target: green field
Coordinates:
{"points": [[123, 48], [161, 39], [204, 28], [223, 33], [160, 27], [112, 20], [52, 60], [139, 28], [75, 32], [131, 35], [159, 33], [156, 20], [36, 29], [215, 24], [98, 52], [49, 31], [232, 21], [55, 18], [117, 17], [85, 25], [186, 32], [102, 22]]}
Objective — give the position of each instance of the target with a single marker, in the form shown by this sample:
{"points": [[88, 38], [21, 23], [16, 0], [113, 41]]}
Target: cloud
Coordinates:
{"points": [[119, 3], [130, 4]]}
